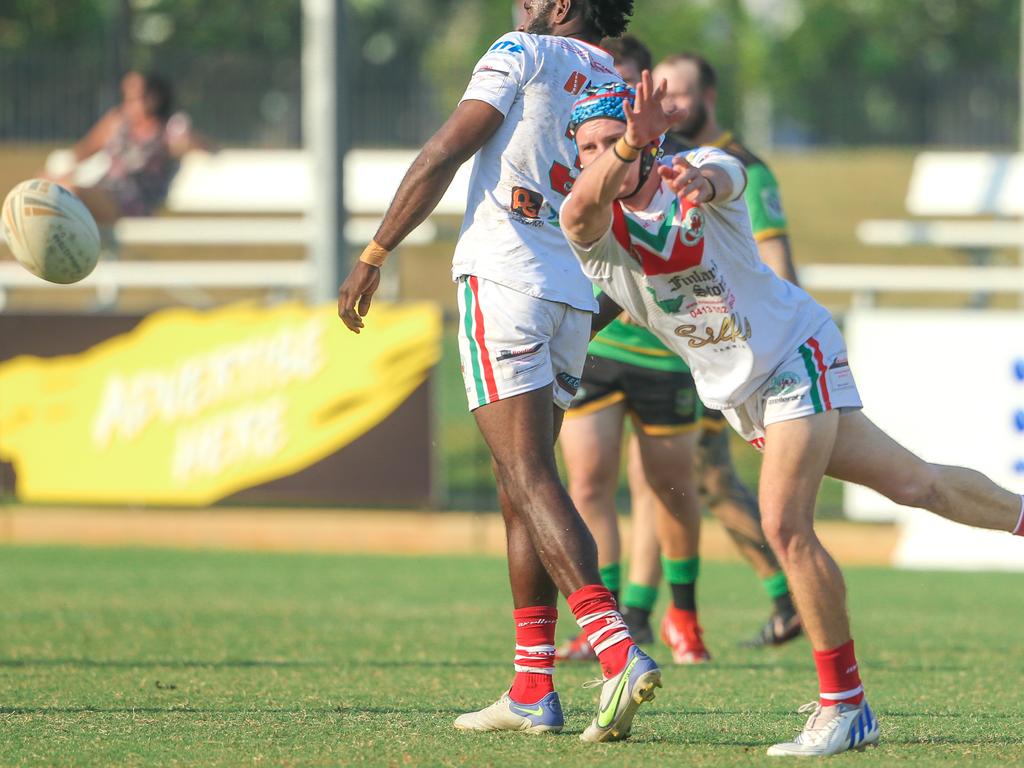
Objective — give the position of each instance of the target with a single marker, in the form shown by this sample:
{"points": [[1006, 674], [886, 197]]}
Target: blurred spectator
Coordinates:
{"points": [[143, 141], [630, 55]]}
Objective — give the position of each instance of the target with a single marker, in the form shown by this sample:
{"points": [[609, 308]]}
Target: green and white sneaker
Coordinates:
{"points": [[831, 730], [621, 696], [506, 715]]}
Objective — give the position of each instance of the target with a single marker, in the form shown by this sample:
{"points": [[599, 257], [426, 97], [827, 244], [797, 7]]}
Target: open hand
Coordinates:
{"points": [[646, 120], [687, 181], [355, 294]]}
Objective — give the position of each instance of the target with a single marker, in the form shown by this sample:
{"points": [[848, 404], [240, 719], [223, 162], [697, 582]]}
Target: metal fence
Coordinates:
{"points": [[249, 100]]}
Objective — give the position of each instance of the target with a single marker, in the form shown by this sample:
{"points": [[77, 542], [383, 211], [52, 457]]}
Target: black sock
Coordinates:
{"points": [[684, 596], [635, 617], [784, 604]]}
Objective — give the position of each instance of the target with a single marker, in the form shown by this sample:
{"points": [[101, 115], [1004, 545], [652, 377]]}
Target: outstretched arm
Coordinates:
{"points": [[705, 184], [586, 214], [469, 127]]}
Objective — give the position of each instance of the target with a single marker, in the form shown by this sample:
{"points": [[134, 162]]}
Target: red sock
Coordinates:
{"points": [[1019, 530], [838, 677], [596, 613], [535, 653]]}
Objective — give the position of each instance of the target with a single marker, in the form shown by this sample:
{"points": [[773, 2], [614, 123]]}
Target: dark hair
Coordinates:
{"points": [[706, 76], [158, 96], [628, 48], [609, 17]]}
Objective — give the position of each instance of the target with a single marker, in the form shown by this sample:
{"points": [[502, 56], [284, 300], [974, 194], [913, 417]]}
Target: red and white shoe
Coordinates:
{"points": [[682, 634], [576, 649]]}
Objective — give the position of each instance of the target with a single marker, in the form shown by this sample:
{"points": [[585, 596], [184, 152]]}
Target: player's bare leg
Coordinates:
{"points": [[795, 456], [644, 575], [668, 470], [865, 455], [520, 433], [735, 507], [591, 445], [732, 502]]}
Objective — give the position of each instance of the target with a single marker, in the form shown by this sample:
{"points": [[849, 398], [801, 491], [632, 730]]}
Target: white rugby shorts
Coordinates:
{"points": [[815, 379], [511, 343]]}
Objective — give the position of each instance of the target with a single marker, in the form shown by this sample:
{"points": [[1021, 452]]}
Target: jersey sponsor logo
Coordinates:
{"points": [[733, 328], [506, 46], [568, 382], [526, 202], [508, 354], [772, 202], [782, 384], [686, 403], [692, 231], [669, 306], [575, 83], [561, 177], [839, 373]]}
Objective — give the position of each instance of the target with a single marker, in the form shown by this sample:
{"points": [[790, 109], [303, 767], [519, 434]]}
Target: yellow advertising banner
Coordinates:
{"points": [[191, 406]]}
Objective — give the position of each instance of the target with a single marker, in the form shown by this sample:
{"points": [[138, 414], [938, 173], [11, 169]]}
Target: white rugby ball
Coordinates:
{"points": [[50, 231]]}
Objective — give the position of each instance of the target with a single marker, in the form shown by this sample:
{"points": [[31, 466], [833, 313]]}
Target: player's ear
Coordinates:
{"points": [[563, 9]]}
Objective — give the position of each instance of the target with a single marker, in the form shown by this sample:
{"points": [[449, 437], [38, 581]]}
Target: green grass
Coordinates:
{"points": [[111, 657]]}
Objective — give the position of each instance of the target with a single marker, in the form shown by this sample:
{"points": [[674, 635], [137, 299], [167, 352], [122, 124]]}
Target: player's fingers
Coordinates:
{"points": [[667, 173], [681, 161], [630, 114], [364, 303], [659, 92]]}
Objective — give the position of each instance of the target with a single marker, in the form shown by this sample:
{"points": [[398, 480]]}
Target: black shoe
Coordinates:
{"points": [[638, 623], [781, 627]]}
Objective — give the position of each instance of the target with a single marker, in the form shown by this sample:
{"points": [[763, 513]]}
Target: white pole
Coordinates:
{"points": [[321, 138]]}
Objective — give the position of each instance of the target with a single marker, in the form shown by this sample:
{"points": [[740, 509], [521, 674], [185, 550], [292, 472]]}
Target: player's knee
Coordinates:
{"points": [[787, 536], [589, 487], [517, 478], [715, 485], [919, 489]]}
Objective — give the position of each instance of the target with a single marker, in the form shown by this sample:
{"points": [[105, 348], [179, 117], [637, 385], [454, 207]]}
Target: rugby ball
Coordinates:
{"points": [[50, 231]]}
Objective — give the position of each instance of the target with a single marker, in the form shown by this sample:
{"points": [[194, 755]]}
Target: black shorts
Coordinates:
{"points": [[713, 421], [662, 402]]}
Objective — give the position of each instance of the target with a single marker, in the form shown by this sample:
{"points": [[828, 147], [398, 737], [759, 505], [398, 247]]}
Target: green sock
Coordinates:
{"points": [[776, 585], [640, 596], [611, 576], [681, 576]]}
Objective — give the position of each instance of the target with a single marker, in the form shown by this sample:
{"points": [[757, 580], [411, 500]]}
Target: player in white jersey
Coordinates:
{"points": [[526, 311], [677, 253]]}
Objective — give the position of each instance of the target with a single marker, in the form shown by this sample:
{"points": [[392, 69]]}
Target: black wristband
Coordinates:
{"points": [[620, 157], [714, 192], [636, 149]]}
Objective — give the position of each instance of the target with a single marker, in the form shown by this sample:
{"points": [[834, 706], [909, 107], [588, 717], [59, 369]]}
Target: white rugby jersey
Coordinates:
{"points": [[693, 275], [520, 177]]}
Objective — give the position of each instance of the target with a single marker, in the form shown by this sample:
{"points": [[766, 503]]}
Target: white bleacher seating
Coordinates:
{"points": [[981, 196], [238, 198]]}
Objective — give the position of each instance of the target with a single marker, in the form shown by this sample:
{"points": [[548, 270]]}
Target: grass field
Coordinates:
{"points": [[132, 657]]}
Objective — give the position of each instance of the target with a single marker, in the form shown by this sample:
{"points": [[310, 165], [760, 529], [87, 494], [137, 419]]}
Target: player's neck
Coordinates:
{"points": [[577, 31], [710, 134], [645, 194]]}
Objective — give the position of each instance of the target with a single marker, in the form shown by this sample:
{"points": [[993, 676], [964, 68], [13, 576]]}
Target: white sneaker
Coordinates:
{"points": [[831, 730], [507, 715]]}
